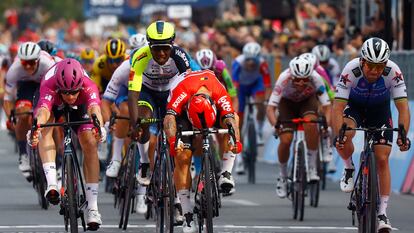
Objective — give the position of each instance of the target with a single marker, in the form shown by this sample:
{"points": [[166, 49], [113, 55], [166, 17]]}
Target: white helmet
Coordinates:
{"points": [[251, 50], [29, 51], [205, 58], [300, 67], [138, 40], [322, 52], [311, 57], [375, 50]]}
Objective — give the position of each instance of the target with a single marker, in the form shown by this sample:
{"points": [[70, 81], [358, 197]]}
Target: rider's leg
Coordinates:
{"points": [[382, 153], [346, 153], [312, 139], [23, 124], [261, 111], [143, 145], [47, 152], [182, 179], [283, 152]]}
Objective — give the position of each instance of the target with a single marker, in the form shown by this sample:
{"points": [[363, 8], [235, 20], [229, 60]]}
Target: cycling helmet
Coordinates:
{"points": [[206, 58], [160, 32], [69, 75], [375, 50], [311, 57], [137, 41], [115, 48], [87, 54], [322, 53], [47, 46], [251, 50], [13, 48], [29, 51], [199, 106], [300, 67]]}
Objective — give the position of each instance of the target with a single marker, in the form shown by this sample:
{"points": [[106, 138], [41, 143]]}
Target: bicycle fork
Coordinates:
{"points": [[300, 137]]}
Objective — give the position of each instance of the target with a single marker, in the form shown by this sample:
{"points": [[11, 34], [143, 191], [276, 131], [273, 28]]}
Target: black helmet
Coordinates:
{"points": [[47, 46]]}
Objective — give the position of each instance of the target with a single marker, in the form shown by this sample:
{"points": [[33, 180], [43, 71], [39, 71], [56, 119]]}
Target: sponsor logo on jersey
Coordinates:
{"points": [[179, 99], [277, 90], [181, 54], [398, 77], [131, 75], [142, 55], [344, 79], [386, 71], [224, 103], [357, 72]]}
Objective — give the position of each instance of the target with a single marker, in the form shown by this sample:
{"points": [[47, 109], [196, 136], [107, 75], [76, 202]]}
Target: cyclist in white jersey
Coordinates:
{"points": [[362, 98], [296, 94], [22, 82], [331, 66]]}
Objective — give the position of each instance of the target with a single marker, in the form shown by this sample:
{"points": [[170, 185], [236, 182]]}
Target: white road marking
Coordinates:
{"points": [[216, 226], [242, 202]]}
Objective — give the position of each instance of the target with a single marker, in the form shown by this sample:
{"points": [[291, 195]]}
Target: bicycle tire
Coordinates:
{"points": [[208, 194], [157, 196], [292, 190], [302, 181], [72, 203], [169, 197], [371, 214], [314, 187], [252, 152], [120, 191], [130, 188]]}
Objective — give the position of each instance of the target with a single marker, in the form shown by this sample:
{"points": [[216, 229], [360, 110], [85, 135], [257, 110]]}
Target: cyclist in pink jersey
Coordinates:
{"points": [[67, 84]]}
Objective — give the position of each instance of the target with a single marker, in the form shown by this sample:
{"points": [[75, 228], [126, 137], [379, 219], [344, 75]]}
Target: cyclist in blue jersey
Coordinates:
{"points": [[362, 99]]}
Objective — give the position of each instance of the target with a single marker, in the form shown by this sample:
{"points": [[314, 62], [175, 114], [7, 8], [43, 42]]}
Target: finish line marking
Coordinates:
{"points": [[215, 226]]}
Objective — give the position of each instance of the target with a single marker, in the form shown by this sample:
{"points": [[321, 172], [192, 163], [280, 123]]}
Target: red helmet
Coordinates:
{"points": [[69, 75], [201, 106]]}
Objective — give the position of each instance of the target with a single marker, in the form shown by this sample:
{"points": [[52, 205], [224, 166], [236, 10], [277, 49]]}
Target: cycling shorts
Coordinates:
{"points": [[249, 90], [122, 95], [289, 110], [156, 101], [378, 117], [26, 90]]}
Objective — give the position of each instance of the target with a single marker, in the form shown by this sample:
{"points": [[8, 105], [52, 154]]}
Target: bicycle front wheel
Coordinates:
{"points": [[72, 202], [129, 193], [371, 205], [252, 152], [169, 194], [301, 181], [208, 195]]}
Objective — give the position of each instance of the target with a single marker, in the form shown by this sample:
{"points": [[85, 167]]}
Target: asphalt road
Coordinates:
{"points": [[253, 208]]}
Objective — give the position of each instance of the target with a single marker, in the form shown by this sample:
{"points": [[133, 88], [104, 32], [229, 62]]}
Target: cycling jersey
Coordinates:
{"points": [[243, 77], [17, 74], [189, 83], [328, 85], [355, 88], [118, 81], [285, 88], [101, 73], [333, 71], [5, 62], [154, 76], [49, 97]]}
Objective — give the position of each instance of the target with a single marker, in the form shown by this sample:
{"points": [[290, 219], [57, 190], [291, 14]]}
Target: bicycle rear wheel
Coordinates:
{"points": [[314, 187], [168, 195], [252, 152], [129, 193], [72, 202]]}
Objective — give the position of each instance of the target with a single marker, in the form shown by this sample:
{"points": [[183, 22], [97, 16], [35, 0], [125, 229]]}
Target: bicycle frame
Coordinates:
{"points": [[299, 137]]}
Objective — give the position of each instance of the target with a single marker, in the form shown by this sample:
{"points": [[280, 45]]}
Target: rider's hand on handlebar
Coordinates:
{"points": [[404, 146], [10, 125], [37, 135], [339, 145], [237, 148], [101, 137]]}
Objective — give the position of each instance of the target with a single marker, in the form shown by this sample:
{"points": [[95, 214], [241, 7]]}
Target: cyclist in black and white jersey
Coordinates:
{"points": [[362, 97]]}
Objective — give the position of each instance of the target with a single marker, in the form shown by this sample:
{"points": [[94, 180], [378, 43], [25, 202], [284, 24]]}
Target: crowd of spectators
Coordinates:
{"points": [[312, 22]]}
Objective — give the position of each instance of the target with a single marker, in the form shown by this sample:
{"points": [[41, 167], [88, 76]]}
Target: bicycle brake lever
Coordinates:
{"points": [[403, 134], [341, 136], [232, 133], [178, 134], [96, 123]]}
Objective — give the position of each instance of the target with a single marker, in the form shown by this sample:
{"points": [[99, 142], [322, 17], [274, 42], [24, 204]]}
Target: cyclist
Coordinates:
{"points": [[251, 76], [87, 59], [363, 99], [5, 62], [331, 66], [50, 48], [296, 94], [194, 94], [105, 65], [22, 82], [155, 67], [117, 92], [67, 83]]}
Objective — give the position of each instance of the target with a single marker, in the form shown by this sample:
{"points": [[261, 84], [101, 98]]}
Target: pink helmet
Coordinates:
{"points": [[69, 75]]}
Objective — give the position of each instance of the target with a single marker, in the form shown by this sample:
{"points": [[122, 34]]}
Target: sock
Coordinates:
{"points": [[383, 205], [283, 170], [312, 155], [22, 147], [348, 164], [228, 161], [118, 144], [143, 152], [50, 173], [92, 195], [142, 190], [184, 196]]}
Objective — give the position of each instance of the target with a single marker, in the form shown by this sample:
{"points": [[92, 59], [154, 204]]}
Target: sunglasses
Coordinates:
{"points": [[87, 61], [115, 60], [297, 80], [29, 62], [73, 92], [161, 47], [375, 66]]}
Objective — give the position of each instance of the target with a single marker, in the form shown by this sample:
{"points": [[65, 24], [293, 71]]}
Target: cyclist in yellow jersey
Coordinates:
{"points": [[153, 69], [105, 65], [87, 59]]}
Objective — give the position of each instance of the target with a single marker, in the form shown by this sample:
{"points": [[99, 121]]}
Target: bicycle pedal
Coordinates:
{"points": [[351, 206]]}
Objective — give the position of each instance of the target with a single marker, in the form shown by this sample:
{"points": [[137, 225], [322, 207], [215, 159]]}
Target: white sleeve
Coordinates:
{"points": [[119, 78], [335, 72], [12, 77], [346, 80], [321, 91], [281, 82], [397, 86]]}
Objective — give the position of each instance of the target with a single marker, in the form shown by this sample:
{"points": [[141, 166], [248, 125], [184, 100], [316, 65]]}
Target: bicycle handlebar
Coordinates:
{"points": [[299, 121], [229, 130], [115, 117], [13, 114]]}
